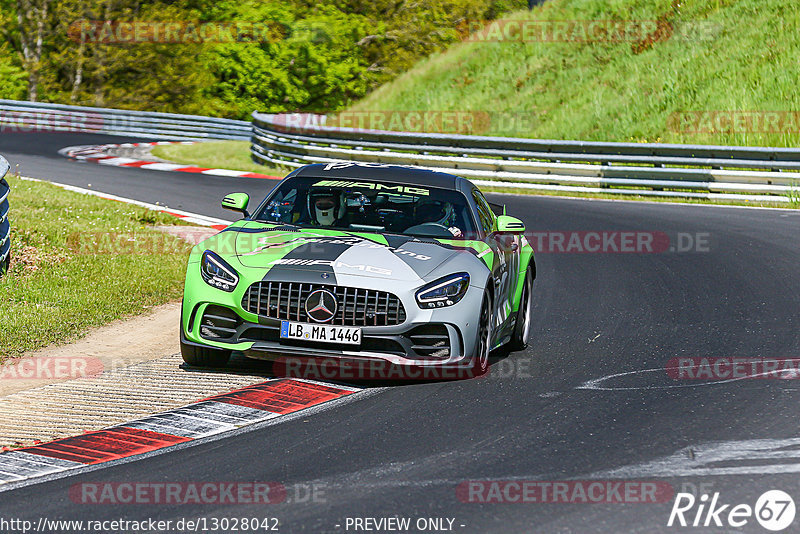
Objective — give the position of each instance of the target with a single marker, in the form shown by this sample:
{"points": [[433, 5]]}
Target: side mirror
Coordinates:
{"points": [[507, 224], [237, 202]]}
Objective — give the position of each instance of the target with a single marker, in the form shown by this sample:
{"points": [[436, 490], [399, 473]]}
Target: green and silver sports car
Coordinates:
{"points": [[359, 261]]}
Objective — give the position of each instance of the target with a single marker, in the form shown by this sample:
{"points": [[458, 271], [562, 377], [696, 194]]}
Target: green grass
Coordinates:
{"points": [[744, 58], [794, 195], [234, 155], [58, 286]]}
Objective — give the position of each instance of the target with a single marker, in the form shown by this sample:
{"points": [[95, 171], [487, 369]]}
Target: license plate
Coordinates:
{"points": [[320, 333]]}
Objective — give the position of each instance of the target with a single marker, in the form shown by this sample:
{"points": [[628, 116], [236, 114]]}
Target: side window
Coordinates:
{"points": [[281, 208], [484, 212]]}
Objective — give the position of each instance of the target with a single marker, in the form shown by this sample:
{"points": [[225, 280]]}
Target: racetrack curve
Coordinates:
{"points": [[403, 451]]}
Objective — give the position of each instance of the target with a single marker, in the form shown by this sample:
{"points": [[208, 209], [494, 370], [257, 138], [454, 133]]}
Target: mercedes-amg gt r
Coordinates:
{"points": [[359, 261]]}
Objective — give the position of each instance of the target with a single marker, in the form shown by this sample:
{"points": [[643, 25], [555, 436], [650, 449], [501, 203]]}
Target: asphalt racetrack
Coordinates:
{"points": [[595, 397]]}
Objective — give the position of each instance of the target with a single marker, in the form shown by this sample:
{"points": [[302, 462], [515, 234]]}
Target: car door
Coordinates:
{"points": [[505, 265]]}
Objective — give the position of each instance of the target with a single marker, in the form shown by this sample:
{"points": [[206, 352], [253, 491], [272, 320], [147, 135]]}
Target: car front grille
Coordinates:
{"points": [[355, 306]]}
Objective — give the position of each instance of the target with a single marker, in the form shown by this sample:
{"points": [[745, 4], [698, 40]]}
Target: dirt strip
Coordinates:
{"points": [[116, 345]]}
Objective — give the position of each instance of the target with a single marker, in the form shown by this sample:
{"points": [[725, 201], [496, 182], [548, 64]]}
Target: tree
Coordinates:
{"points": [[323, 55], [32, 25]]}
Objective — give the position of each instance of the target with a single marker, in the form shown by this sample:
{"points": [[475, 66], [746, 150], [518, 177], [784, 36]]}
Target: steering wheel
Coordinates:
{"points": [[432, 229], [389, 212]]}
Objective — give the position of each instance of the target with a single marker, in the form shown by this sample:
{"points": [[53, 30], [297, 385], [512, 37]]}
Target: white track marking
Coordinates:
{"points": [[19, 465], [155, 166], [99, 154], [594, 384], [224, 172], [190, 217], [116, 161]]}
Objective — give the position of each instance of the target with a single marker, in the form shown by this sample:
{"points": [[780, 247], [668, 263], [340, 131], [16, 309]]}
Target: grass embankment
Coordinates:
{"points": [[79, 261], [708, 55], [234, 155]]}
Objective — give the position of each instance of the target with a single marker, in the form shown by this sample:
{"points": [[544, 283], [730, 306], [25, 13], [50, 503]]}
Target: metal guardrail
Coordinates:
{"points": [[623, 168], [42, 117], [5, 225]]}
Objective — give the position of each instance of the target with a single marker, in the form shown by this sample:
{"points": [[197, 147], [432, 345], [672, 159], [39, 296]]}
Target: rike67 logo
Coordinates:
{"points": [[774, 510]]}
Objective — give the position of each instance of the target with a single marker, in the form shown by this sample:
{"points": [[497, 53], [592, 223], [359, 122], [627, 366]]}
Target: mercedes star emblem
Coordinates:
{"points": [[321, 305]]}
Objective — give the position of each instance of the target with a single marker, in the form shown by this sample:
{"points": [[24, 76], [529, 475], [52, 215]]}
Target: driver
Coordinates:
{"points": [[439, 213], [430, 212], [326, 208]]}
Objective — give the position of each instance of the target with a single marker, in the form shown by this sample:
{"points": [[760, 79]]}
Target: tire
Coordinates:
{"points": [[204, 356], [522, 324], [480, 359]]}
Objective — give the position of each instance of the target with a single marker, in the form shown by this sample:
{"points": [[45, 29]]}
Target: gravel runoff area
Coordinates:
{"points": [[134, 369]]}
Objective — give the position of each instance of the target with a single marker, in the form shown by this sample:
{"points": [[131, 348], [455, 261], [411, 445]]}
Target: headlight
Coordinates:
{"points": [[217, 273], [443, 292]]}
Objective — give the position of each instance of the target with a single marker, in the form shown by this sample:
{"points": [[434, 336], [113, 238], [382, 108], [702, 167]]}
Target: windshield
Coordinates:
{"points": [[364, 206]]}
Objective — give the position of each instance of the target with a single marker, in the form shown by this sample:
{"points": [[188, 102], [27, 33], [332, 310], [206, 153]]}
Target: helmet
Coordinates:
{"points": [[325, 206], [434, 211]]}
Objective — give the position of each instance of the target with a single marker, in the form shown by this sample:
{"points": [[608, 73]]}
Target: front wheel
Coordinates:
{"points": [[480, 361], [204, 356], [522, 326]]}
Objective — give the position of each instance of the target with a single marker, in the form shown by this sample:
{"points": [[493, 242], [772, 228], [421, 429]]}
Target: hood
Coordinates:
{"points": [[287, 253]]}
